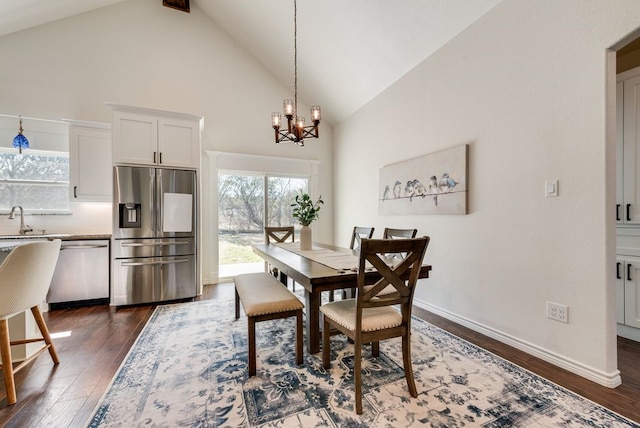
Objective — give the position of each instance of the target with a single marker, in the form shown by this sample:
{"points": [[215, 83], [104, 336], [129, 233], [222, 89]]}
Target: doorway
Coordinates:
{"points": [[627, 265]]}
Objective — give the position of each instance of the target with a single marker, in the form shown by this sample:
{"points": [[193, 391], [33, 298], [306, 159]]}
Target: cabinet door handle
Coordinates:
{"points": [[160, 157], [75, 191], [628, 212], [628, 271], [617, 212], [154, 157], [618, 270]]}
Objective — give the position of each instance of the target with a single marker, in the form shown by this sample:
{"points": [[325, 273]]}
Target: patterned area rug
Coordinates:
{"points": [[188, 368]]}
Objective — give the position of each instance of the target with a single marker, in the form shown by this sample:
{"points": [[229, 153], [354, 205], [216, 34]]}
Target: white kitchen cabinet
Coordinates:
{"points": [[628, 282], [90, 163], [628, 147], [628, 297], [155, 137]]}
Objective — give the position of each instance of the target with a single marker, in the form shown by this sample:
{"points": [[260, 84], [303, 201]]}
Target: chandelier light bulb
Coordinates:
{"points": [[287, 106], [315, 114], [276, 120]]}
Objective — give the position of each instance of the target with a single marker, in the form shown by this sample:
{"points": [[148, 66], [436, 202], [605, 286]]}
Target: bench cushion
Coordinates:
{"points": [[260, 294]]}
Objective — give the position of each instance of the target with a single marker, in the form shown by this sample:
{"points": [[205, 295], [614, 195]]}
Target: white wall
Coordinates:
{"points": [[526, 87], [143, 54]]}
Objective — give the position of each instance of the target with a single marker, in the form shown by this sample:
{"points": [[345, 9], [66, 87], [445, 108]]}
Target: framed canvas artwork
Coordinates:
{"points": [[435, 183]]}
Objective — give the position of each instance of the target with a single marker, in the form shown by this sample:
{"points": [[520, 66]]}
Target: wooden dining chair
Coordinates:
{"points": [[356, 237], [25, 276], [390, 233], [278, 234], [372, 316], [358, 234]]}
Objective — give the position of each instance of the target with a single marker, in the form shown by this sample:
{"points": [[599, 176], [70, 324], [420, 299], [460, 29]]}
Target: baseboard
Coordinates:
{"points": [[610, 380]]}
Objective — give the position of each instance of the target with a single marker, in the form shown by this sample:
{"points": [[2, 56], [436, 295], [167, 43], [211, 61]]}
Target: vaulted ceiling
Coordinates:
{"points": [[349, 51]]}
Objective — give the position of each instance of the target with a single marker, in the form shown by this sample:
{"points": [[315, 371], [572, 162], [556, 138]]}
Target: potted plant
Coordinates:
{"points": [[305, 210]]}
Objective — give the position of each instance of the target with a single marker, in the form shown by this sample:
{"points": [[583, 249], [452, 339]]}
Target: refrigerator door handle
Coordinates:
{"points": [[163, 262], [153, 244]]}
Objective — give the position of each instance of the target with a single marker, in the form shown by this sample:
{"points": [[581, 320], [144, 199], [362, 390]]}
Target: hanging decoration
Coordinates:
{"points": [[20, 141]]}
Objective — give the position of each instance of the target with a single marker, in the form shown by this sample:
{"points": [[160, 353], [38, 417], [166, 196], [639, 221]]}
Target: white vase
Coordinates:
{"points": [[305, 238]]}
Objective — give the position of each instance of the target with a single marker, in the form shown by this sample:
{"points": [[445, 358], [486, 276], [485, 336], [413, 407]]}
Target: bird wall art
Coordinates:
{"points": [[435, 183]]}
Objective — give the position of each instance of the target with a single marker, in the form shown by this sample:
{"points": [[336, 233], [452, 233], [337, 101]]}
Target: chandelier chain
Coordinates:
{"points": [[295, 58]]}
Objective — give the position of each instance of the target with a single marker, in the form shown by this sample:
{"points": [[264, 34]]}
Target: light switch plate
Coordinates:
{"points": [[551, 188]]}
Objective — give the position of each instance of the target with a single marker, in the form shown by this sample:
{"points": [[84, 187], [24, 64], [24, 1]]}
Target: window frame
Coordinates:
{"points": [[54, 183]]}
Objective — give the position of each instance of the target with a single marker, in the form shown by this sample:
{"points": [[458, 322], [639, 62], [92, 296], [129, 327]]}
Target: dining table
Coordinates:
{"points": [[322, 268]]}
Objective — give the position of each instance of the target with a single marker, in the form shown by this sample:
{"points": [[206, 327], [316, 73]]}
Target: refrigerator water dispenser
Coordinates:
{"points": [[130, 215]]}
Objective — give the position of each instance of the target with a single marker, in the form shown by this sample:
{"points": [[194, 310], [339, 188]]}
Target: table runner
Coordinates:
{"points": [[333, 259]]}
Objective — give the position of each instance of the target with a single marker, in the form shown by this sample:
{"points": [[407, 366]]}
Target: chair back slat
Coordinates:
{"points": [[358, 234], [390, 233], [278, 234], [394, 287]]}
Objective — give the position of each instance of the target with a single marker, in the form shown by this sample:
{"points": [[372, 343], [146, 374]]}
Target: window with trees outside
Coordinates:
{"points": [[38, 181], [243, 211]]}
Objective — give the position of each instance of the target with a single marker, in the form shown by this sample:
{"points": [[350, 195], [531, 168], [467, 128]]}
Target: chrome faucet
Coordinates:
{"points": [[23, 229]]}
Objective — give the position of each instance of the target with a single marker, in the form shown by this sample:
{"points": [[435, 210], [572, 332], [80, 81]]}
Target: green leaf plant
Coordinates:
{"points": [[305, 210]]}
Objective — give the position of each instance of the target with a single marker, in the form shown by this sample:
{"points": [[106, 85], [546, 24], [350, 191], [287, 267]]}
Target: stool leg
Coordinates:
{"points": [[299, 337], [326, 346], [237, 304], [252, 346], [37, 315], [7, 367], [375, 349]]}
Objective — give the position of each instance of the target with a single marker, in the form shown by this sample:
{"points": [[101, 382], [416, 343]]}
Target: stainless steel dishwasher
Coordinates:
{"points": [[82, 274]]}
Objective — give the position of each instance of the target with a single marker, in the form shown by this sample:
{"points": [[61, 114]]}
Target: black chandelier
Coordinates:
{"points": [[296, 130]]}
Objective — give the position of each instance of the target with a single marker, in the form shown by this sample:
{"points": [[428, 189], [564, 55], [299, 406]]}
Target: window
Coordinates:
{"points": [[38, 179], [241, 208], [249, 191], [282, 191]]}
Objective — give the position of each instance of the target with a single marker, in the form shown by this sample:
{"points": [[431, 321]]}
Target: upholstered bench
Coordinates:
{"points": [[264, 298]]}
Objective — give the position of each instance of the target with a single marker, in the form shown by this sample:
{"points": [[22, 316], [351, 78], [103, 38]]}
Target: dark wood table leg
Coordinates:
{"points": [[283, 278], [312, 303]]}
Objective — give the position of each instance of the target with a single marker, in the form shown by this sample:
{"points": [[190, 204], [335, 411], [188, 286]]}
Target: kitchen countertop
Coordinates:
{"points": [[80, 237], [62, 236]]}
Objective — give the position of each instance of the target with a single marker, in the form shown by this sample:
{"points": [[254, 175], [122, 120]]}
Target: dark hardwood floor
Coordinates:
{"points": [[100, 338]]}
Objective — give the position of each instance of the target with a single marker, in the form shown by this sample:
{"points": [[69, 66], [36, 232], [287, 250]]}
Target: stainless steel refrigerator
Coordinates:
{"points": [[154, 239]]}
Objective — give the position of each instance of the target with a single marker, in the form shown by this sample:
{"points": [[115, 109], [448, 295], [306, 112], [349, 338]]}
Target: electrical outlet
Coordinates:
{"points": [[558, 312]]}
